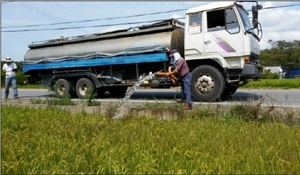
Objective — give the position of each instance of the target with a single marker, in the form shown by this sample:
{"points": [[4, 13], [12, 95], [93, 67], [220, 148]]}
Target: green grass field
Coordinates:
{"points": [[275, 83], [54, 141]]}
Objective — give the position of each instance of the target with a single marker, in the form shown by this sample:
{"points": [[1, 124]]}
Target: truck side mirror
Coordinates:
{"points": [[255, 14]]}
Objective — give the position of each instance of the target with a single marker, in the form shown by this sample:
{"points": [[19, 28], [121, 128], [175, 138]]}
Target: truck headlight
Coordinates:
{"points": [[246, 59]]}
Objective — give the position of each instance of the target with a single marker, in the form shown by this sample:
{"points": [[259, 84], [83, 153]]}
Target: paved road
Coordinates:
{"points": [[289, 98]]}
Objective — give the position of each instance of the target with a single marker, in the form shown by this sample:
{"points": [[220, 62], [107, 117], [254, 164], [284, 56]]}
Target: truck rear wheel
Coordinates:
{"points": [[207, 84], [82, 87], [63, 88]]}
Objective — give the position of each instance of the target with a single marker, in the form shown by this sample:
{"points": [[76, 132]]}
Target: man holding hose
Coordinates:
{"points": [[182, 69]]}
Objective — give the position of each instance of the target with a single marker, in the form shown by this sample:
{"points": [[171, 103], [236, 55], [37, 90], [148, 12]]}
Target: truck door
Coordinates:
{"points": [[223, 33], [193, 36]]}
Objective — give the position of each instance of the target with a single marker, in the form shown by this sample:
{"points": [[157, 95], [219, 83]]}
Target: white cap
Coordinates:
{"points": [[7, 59]]}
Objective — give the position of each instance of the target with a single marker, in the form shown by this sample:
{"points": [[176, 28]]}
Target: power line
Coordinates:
{"points": [[91, 20], [266, 8], [107, 25], [283, 6], [120, 17], [43, 13], [130, 16]]}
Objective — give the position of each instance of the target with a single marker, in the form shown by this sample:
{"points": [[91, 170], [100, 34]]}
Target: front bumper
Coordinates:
{"points": [[252, 71]]}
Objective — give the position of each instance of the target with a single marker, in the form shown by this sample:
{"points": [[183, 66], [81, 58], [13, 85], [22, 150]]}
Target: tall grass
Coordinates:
{"points": [[274, 83], [54, 141]]}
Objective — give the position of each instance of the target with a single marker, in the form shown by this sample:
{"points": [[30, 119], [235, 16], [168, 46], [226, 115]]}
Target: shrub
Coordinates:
{"points": [[21, 78], [270, 75]]}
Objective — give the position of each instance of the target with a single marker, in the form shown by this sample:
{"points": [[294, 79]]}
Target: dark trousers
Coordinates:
{"points": [[13, 82], [186, 88]]}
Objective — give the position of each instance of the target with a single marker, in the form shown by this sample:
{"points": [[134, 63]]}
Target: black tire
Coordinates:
{"points": [[63, 88], [207, 84], [117, 90], [82, 87]]}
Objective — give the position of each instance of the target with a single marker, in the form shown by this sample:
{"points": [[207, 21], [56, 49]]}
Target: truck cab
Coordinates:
{"points": [[221, 48]]}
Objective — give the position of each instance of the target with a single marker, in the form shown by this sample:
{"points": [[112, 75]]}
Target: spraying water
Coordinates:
{"points": [[120, 112]]}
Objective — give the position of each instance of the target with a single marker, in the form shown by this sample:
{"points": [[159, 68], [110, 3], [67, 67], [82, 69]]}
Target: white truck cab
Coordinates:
{"points": [[222, 48]]}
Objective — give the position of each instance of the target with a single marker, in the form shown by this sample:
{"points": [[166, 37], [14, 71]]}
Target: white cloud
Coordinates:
{"points": [[280, 24]]}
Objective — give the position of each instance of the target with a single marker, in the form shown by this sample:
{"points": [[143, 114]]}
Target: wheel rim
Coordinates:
{"points": [[83, 89], [205, 84], [61, 90]]}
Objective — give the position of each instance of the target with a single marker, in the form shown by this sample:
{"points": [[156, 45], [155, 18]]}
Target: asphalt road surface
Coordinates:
{"points": [[286, 98]]}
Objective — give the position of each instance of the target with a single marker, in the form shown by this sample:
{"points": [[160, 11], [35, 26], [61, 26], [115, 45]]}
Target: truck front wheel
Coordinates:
{"points": [[82, 87], [207, 84], [63, 88]]}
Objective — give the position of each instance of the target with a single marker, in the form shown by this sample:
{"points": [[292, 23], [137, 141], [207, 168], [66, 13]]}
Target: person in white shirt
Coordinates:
{"points": [[10, 68]]}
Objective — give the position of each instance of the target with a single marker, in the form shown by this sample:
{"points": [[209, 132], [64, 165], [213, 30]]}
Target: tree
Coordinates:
{"points": [[286, 54]]}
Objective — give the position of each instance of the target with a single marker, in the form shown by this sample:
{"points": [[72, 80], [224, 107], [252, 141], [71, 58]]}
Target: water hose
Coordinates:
{"points": [[173, 78]]}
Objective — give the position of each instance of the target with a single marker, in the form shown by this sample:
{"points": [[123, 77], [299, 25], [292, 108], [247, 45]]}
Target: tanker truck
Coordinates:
{"points": [[219, 42]]}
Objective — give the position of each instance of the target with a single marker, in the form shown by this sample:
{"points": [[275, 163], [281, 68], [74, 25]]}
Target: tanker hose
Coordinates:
{"points": [[173, 78]]}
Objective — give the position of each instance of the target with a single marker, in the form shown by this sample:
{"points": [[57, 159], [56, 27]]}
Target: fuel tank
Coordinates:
{"points": [[168, 34]]}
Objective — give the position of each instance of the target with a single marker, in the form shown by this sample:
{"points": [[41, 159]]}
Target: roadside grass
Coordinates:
{"points": [[67, 100], [32, 86], [56, 141], [274, 83]]}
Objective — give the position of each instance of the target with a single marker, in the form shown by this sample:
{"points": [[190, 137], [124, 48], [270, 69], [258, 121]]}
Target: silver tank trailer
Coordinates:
{"points": [[169, 35]]}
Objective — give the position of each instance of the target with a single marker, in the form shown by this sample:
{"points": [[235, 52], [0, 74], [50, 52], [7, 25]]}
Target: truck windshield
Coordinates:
{"points": [[246, 22]]}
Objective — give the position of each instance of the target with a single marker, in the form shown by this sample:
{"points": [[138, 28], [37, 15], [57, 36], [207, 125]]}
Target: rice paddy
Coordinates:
{"points": [[56, 141]]}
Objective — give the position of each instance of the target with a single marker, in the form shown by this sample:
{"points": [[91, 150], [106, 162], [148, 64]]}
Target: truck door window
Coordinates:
{"points": [[232, 24], [195, 21], [224, 19]]}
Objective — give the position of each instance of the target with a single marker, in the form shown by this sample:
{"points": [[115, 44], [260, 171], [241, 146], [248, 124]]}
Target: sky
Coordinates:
{"points": [[277, 23]]}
